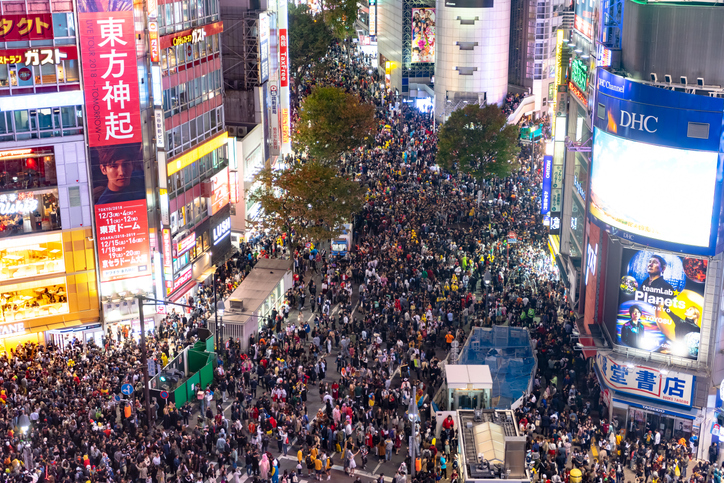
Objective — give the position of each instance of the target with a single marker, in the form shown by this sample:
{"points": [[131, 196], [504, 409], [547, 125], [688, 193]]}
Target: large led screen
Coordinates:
{"points": [[660, 302], [653, 191], [423, 35]]}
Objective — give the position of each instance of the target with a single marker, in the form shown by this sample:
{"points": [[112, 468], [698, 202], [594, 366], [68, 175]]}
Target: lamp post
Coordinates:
{"points": [[219, 324], [414, 417], [487, 278]]}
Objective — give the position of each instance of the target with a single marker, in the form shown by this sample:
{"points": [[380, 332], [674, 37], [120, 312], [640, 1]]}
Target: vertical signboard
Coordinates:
{"points": [[113, 124], [263, 47], [423, 35], [373, 18], [219, 191], [285, 120], [545, 205], [275, 138]]}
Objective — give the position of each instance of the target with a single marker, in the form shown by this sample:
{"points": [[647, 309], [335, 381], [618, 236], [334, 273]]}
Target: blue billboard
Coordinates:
{"points": [[656, 177], [545, 204]]}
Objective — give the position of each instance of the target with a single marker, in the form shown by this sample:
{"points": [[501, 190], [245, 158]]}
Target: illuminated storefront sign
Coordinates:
{"points": [[153, 40], [26, 27], [38, 56], [185, 276], [234, 187], [18, 203], [545, 206], [185, 244], [9, 330], [373, 17], [577, 92], [186, 159], [191, 36], [559, 57], [579, 74], [603, 56], [219, 191], [160, 128], [166, 236], [221, 231], [263, 47]]}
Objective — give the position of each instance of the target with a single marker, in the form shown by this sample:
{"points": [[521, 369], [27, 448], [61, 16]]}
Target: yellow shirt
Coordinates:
{"points": [[300, 456], [318, 464]]}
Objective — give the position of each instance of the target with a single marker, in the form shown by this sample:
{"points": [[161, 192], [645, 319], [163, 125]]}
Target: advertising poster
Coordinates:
{"points": [[423, 35], [114, 127], [545, 205], [584, 17], [470, 3], [219, 191], [29, 26], [660, 302], [679, 211]]}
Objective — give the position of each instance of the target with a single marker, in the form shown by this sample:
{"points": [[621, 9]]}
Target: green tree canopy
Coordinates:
{"points": [[309, 37], [480, 141], [311, 199], [340, 16], [332, 121]]}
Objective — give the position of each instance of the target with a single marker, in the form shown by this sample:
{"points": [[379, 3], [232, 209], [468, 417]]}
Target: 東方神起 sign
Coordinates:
{"points": [[669, 387]]}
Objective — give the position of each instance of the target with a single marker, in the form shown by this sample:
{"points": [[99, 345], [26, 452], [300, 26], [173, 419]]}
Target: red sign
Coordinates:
{"points": [[40, 56], [110, 75], [577, 92], [37, 26], [25, 74], [584, 26], [185, 276], [191, 36], [123, 240], [186, 244], [153, 39], [283, 58], [219, 191]]}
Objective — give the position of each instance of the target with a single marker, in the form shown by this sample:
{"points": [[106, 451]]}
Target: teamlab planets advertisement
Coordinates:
{"points": [[660, 304]]}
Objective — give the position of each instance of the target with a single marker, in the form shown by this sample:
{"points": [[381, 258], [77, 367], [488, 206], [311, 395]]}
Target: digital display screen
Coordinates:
{"points": [[660, 302], [656, 192]]}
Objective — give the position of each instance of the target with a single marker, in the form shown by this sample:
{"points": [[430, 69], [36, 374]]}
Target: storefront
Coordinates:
{"points": [[644, 398]]}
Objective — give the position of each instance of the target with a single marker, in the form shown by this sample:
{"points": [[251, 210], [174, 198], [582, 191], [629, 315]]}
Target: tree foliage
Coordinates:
{"points": [[333, 121], [309, 37], [340, 16], [480, 141], [311, 200]]}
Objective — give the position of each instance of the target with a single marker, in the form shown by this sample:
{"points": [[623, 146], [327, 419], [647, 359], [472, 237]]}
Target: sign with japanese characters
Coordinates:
{"points": [[263, 47], [123, 240], [110, 75], [220, 193], [671, 387], [192, 36], [38, 26], [283, 58], [38, 56]]}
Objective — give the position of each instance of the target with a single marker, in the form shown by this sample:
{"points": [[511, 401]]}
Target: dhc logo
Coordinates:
{"points": [[638, 121], [221, 230]]}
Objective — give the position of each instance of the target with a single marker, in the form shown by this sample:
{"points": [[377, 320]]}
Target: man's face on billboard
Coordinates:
{"points": [[654, 267], [118, 173]]}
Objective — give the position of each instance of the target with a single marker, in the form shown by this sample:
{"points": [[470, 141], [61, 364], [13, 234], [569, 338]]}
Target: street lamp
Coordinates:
{"points": [[487, 278], [414, 417], [219, 326]]}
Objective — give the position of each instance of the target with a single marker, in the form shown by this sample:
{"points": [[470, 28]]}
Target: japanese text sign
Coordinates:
{"points": [[283, 58], [38, 56], [219, 191], [110, 75], [123, 240], [37, 26], [671, 387]]}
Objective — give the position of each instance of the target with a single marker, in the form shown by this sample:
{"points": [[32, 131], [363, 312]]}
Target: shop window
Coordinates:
{"points": [[30, 300], [63, 25], [4, 81], [30, 257], [29, 212], [35, 169]]}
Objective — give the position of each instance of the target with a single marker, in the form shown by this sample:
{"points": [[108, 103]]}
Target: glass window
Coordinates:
{"points": [[172, 59], [169, 15], [193, 133], [185, 133], [5, 126], [177, 16], [22, 121], [45, 120], [63, 25], [71, 71], [185, 7], [4, 80], [48, 74], [67, 116]]}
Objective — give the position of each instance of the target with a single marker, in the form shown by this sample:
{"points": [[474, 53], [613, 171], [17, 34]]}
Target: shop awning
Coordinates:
{"points": [[207, 273], [685, 413]]}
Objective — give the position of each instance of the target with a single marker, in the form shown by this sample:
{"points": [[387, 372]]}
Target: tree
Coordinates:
{"points": [[309, 37], [340, 16], [309, 199], [332, 121], [480, 141]]}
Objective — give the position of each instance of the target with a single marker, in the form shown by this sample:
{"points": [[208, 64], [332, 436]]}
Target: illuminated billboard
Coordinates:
{"points": [[584, 17], [660, 302], [676, 207], [545, 205], [470, 3], [423, 35], [220, 192], [655, 176]]}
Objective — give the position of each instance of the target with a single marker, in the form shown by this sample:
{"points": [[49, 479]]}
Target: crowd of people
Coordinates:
{"points": [[430, 260]]}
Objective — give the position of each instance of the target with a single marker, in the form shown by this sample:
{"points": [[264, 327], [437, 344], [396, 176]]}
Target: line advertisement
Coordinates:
{"points": [[110, 77]]}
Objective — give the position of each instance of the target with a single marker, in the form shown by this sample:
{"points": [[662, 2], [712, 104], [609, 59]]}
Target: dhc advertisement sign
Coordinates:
{"points": [[643, 133]]}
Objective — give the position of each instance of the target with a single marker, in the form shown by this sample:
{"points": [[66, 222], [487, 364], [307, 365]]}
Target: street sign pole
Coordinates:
{"points": [[144, 363]]}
